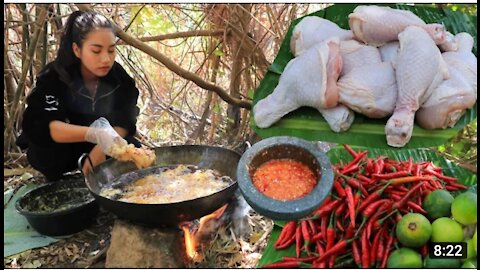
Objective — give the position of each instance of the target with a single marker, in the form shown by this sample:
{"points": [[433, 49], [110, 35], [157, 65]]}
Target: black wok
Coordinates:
{"points": [[171, 214]]}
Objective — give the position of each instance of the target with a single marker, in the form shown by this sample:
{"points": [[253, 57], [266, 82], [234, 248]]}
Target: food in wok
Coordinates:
{"points": [[169, 185]]}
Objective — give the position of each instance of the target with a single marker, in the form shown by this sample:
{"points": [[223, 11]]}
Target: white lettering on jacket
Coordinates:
{"points": [[52, 103]]}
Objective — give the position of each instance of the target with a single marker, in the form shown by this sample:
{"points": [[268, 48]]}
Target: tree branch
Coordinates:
{"points": [[176, 68], [194, 33]]}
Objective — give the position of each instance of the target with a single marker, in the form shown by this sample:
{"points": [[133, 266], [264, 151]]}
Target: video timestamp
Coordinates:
{"points": [[444, 250]]}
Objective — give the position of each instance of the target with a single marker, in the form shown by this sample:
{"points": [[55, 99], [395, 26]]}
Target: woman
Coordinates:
{"points": [[81, 85]]}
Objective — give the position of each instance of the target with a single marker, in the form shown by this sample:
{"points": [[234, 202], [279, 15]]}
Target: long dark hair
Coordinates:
{"points": [[78, 26]]}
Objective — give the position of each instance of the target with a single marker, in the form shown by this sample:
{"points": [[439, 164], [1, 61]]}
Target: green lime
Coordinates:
{"points": [[470, 249], [438, 204], [413, 230], [470, 263], [474, 238], [404, 258], [446, 230], [441, 263], [464, 208]]}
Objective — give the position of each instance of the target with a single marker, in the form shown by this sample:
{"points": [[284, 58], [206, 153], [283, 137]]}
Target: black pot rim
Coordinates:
{"points": [[291, 209], [63, 212]]}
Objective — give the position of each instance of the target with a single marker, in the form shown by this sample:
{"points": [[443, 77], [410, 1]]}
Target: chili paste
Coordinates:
{"points": [[284, 179]]}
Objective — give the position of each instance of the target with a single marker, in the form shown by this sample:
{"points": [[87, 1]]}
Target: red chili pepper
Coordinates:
{"points": [[323, 227], [374, 248], [449, 188], [331, 261], [365, 249], [389, 244], [398, 217], [416, 169], [356, 253], [377, 223], [306, 260], [350, 150], [351, 204], [306, 235], [424, 250], [327, 209], [395, 197], [320, 251], [372, 197], [354, 183], [338, 247], [318, 236], [330, 233], [369, 210], [457, 185], [339, 225], [312, 226], [440, 176], [417, 208], [408, 179], [360, 155], [370, 167], [381, 165], [350, 169], [338, 187], [286, 243], [287, 232], [409, 165], [403, 201], [340, 210], [298, 241], [350, 231], [380, 251], [386, 176], [285, 264]]}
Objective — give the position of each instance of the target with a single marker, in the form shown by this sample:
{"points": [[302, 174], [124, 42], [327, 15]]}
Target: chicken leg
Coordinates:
{"points": [[308, 80], [420, 69], [377, 25]]}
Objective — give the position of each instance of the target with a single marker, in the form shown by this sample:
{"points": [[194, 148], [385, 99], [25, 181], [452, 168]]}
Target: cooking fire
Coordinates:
{"points": [[199, 232]]}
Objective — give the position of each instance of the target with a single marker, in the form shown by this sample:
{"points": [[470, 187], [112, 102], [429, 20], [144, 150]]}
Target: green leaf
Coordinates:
{"points": [[336, 154], [308, 123]]}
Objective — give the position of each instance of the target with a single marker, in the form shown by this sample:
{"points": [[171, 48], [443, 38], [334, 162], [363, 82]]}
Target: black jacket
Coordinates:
{"points": [[51, 99]]}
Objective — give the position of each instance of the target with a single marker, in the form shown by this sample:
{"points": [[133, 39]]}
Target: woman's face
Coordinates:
{"points": [[97, 53]]}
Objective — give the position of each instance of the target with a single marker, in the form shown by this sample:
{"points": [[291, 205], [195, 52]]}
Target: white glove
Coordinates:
{"points": [[101, 133]]}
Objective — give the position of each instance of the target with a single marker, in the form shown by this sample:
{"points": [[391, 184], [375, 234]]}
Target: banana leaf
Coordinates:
{"points": [[449, 168], [308, 123]]}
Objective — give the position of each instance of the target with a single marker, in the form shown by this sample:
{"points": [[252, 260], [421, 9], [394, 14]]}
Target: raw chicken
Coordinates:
{"points": [[448, 103], [370, 90], [308, 80], [312, 30], [377, 25], [463, 59], [389, 52], [453, 96], [354, 54], [450, 43], [339, 118], [419, 70]]}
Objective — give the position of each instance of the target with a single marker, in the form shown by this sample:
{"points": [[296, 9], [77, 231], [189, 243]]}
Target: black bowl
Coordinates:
{"points": [[284, 148], [60, 208]]}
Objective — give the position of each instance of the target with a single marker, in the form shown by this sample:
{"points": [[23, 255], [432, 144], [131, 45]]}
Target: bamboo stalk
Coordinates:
{"points": [[21, 85]]}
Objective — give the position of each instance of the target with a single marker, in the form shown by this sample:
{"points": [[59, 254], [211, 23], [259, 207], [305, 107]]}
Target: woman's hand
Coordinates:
{"points": [[97, 156]]}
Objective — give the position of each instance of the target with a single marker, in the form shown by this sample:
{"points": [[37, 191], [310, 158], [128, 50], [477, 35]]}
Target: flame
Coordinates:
{"points": [[215, 215], [190, 244], [191, 241]]}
